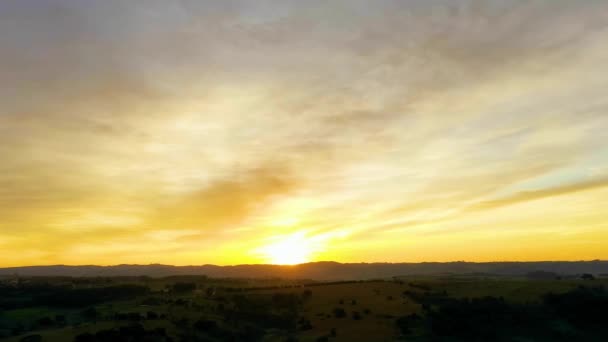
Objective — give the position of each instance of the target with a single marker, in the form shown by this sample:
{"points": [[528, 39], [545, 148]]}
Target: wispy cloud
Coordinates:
{"points": [[350, 122]]}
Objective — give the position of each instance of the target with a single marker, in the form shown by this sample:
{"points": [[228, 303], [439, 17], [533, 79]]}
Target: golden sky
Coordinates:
{"points": [[228, 132]]}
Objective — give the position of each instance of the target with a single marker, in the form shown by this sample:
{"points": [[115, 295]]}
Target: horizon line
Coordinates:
{"points": [[312, 262]]}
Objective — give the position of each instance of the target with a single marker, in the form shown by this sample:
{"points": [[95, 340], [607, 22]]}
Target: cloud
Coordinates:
{"points": [[222, 118], [226, 202], [532, 195]]}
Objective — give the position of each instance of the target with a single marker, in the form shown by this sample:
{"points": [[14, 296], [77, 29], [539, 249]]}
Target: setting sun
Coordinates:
{"points": [[289, 250]]}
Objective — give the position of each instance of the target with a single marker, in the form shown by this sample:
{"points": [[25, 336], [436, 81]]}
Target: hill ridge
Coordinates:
{"points": [[321, 270]]}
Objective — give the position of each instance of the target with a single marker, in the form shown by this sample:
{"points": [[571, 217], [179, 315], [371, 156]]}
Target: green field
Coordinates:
{"points": [[265, 309]]}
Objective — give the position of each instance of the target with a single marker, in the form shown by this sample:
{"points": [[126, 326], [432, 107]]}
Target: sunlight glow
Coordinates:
{"points": [[289, 250]]}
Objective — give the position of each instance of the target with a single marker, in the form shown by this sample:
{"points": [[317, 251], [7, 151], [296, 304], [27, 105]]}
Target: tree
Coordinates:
{"points": [[306, 294], [89, 313], [339, 313], [304, 324], [403, 323], [31, 338], [587, 276], [183, 287], [45, 321], [205, 325], [60, 319]]}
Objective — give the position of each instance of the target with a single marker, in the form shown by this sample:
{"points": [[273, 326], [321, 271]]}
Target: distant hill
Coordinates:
{"points": [[318, 270]]}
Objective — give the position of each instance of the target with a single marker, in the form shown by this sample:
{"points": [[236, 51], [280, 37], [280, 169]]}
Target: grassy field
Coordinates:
{"points": [[348, 311]]}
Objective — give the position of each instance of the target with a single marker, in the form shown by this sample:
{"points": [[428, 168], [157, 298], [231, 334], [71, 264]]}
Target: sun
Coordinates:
{"points": [[289, 250]]}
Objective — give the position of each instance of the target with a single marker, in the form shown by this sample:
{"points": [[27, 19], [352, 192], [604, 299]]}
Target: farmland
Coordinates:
{"points": [[197, 308]]}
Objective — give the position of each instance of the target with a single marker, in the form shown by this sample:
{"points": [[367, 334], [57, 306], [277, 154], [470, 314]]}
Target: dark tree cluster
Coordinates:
{"points": [[205, 330], [584, 307], [277, 311], [131, 333], [406, 323], [419, 286], [304, 324], [64, 296], [182, 287], [579, 314], [31, 338], [427, 298], [339, 313]]}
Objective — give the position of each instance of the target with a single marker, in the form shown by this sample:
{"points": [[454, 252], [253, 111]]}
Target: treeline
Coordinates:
{"points": [[130, 333], [279, 287], [579, 314], [64, 296]]}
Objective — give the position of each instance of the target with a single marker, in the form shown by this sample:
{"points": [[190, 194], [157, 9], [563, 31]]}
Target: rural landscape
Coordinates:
{"points": [[530, 306], [303, 170]]}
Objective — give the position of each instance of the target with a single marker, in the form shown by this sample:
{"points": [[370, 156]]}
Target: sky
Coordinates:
{"points": [[232, 132]]}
